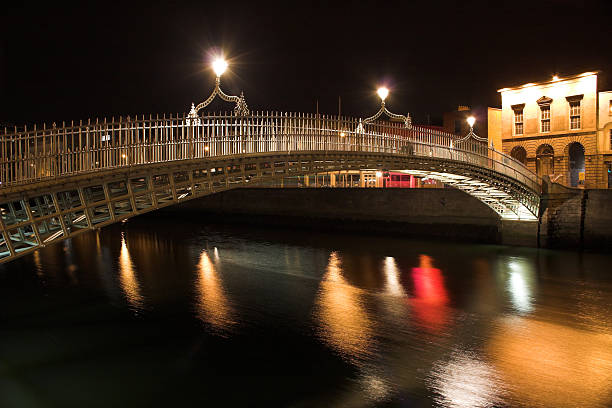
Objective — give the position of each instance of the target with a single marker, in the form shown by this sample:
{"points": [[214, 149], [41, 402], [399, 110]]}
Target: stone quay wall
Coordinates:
{"points": [[571, 218]]}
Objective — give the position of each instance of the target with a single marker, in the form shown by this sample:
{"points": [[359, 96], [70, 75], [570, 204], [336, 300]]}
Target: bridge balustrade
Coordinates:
{"points": [[38, 154]]}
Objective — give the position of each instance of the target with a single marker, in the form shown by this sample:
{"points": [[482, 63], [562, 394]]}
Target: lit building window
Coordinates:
{"points": [[518, 122], [575, 115], [545, 118]]}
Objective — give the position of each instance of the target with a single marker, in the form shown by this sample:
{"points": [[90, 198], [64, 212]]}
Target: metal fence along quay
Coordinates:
{"points": [[58, 180]]}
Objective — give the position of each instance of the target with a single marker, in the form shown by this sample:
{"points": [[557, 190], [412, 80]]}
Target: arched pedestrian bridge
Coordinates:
{"points": [[59, 181]]}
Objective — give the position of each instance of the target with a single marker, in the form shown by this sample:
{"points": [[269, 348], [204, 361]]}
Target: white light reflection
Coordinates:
{"points": [[392, 275], [127, 276], [465, 381], [214, 307], [520, 291]]}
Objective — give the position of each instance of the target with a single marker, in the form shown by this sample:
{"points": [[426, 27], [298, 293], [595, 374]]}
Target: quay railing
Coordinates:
{"points": [[48, 152]]}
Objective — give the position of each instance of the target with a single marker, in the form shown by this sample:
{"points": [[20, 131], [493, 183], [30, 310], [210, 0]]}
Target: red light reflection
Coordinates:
{"points": [[431, 298]]}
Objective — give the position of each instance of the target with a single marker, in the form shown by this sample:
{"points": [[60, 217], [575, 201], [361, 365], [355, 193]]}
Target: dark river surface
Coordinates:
{"points": [[162, 311]]}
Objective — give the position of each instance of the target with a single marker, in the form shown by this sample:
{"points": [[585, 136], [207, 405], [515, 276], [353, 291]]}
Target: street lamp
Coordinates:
{"points": [[219, 66], [383, 92], [471, 120]]}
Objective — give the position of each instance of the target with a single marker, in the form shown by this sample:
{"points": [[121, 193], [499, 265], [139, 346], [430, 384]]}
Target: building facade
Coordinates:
{"points": [[560, 128]]}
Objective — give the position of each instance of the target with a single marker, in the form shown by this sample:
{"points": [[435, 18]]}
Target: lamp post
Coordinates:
{"points": [[383, 92], [471, 120], [219, 66]]}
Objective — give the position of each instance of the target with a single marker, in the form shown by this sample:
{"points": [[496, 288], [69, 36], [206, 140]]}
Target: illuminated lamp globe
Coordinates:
{"points": [[219, 65], [471, 121], [382, 93]]}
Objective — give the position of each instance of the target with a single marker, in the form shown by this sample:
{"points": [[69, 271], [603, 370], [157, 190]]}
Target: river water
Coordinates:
{"points": [[163, 311]]}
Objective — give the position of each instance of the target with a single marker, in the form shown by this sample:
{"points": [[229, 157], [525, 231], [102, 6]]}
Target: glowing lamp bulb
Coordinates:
{"points": [[379, 174], [219, 65], [471, 121], [382, 93], [555, 78]]}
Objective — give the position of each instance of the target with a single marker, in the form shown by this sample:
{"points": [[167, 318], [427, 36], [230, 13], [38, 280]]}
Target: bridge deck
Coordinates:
{"points": [[59, 182]]}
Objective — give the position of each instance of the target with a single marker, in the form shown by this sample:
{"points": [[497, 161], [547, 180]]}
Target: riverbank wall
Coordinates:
{"points": [[570, 218], [447, 214], [576, 219]]}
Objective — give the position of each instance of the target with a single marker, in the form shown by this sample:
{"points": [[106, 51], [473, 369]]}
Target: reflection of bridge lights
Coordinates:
{"points": [[219, 65], [520, 293], [392, 274], [430, 295], [519, 287], [546, 364], [127, 276], [383, 92], [341, 314], [214, 307], [465, 381]]}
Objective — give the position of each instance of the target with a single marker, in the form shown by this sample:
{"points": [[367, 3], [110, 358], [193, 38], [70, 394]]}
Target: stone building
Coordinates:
{"points": [[560, 128]]}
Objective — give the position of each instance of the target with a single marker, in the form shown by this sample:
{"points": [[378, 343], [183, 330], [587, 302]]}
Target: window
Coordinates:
{"points": [[545, 118], [574, 115], [518, 122], [610, 110]]}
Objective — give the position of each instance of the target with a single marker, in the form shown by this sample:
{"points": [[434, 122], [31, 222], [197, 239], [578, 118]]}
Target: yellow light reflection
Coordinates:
{"points": [[127, 276], [548, 365], [340, 312], [214, 307]]}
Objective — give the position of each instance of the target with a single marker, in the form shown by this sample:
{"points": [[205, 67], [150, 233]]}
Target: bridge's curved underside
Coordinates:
{"points": [[37, 214]]}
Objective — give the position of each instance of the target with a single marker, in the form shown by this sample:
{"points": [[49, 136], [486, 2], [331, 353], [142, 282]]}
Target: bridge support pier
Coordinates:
{"points": [[518, 233]]}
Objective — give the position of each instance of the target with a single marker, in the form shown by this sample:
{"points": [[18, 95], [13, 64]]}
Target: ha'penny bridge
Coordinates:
{"points": [[59, 181]]}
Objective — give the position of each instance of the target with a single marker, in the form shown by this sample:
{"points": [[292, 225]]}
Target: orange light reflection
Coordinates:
{"points": [[548, 365], [340, 312], [214, 307], [127, 276]]}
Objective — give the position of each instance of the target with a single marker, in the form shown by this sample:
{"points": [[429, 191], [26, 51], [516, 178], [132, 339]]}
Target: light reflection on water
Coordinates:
{"points": [[430, 296], [520, 285], [549, 365], [465, 381], [342, 315], [128, 278], [400, 322], [213, 305]]}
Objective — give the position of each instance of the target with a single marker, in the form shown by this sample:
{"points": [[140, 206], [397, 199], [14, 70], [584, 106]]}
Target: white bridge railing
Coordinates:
{"points": [[38, 154]]}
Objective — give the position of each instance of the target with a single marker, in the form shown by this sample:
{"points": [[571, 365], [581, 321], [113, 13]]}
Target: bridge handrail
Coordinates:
{"points": [[51, 152]]}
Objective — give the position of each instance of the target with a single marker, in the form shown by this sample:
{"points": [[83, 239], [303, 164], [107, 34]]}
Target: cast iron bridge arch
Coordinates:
{"points": [[62, 180]]}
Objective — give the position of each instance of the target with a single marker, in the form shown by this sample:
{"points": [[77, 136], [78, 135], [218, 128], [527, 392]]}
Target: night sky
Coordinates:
{"points": [[63, 61]]}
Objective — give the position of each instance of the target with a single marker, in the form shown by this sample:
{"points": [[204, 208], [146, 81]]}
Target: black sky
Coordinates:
{"points": [[74, 61]]}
